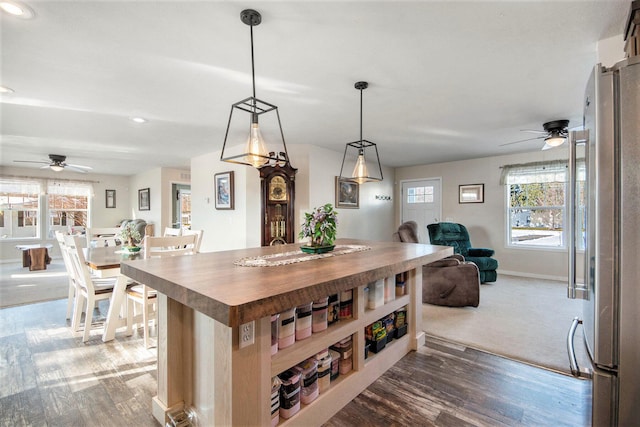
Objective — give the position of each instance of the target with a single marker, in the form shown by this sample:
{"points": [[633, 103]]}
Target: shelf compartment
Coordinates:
{"points": [[335, 385], [347, 387], [372, 315], [402, 342], [301, 350]]}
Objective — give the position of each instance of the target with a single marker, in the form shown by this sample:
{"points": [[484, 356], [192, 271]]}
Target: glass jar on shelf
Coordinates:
{"points": [[345, 348], [289, 393], [308, 371], [319, 310]]}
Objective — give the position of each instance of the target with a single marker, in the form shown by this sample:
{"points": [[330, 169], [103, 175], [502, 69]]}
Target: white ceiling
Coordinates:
{"points": [[448, 80]]}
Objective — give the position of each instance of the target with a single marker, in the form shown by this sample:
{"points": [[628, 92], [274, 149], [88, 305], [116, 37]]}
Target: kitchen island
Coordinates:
{"points": [[207, 301]]}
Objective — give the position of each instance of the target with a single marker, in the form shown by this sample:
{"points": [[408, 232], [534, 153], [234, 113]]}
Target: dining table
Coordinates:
{"points": [[105, 262]]}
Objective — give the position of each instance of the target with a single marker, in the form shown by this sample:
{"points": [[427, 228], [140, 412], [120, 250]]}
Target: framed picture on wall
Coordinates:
{"points": [[110, 198], [347, 194], [144, 200], [471, 193], [223, 187]]}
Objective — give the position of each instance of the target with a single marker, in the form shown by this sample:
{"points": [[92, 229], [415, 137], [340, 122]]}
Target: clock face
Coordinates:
{"points": [[277, 189]]}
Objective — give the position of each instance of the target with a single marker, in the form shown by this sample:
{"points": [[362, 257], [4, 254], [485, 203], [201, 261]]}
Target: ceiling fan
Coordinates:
{"points": [[57, 164], [555, 134]]}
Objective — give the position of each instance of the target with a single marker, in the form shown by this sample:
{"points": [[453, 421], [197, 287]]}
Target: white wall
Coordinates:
{"points": [[152, 180], [610, 50], [315, 186], [159, 182], [374, 220], [486, 221], [225, 229]]}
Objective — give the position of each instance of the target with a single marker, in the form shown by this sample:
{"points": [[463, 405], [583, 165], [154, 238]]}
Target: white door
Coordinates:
{"points": [[422, 203]]}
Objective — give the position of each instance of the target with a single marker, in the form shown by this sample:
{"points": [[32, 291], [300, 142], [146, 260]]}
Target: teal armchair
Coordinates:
{"points": [[457, 236]]}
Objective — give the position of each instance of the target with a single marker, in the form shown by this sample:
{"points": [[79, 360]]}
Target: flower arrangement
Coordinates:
{"points": [[320, 225], [129, 235]]}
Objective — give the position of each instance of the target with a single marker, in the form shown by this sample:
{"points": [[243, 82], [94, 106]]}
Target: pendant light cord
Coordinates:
{"points": [[361, 121], [253, 71]]}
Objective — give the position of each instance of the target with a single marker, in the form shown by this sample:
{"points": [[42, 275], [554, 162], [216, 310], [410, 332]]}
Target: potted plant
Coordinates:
{"points": [[129, 235], [320, 227]]}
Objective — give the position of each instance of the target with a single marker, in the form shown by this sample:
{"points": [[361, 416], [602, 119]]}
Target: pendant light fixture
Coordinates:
{"points": [[364, 150], [254, 152]]}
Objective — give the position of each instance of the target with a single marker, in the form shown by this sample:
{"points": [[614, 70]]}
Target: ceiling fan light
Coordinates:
{"points": [[56, 168], [555, 140]]}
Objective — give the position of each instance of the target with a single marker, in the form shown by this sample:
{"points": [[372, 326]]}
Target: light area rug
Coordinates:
{"points": [[20, 286], [520, 318]]}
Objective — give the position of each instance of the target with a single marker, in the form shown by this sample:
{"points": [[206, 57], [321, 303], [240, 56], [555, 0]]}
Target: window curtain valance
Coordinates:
{"points": [[34, 186], [539, 172], [19, 186], [69, 188]]}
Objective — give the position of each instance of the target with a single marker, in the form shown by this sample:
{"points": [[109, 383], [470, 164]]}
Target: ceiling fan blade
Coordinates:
{"points": [[78, 166], [522, 140], [547, 147], [534, 131], [32, 161]]}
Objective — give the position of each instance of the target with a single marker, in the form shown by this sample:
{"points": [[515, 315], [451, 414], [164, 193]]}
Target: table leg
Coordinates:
{"points": [[115, 305]]}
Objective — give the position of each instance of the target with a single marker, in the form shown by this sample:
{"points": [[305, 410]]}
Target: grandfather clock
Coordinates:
{"points": [[278, 196]]}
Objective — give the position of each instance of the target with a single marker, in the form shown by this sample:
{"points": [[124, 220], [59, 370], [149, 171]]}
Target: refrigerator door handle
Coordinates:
{"points": [[573, 289], [571, 350]]}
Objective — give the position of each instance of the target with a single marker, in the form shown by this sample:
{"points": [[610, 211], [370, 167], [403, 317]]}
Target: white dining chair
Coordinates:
{"points": [[89, 290], [146, 297], [170, 231], [69, 267], [198, 233]]}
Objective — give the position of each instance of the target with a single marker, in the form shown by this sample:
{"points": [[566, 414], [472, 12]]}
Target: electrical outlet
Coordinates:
{"points": [[246, 331]]}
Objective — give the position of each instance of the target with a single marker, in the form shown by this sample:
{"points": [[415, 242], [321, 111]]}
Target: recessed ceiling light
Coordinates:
{"points": [[17, 9], [4, 89], [139, 119]]}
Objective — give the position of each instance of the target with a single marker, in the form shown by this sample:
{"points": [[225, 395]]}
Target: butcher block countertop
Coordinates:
{"points": [[212, 284]]}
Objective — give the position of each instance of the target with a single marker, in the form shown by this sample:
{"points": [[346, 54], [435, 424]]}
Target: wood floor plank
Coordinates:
{"points": [[17, 371], [22, 409], [57, 398], [69, 419]]}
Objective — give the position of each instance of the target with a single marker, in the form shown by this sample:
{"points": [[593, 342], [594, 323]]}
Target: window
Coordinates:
{"points": [[420, 194], [536, 204], [20, 208], [21, 216], [68, 204]]}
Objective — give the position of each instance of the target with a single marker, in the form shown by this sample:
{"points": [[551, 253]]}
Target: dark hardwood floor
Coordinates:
{"points": [[446, 384], [48, 377]]}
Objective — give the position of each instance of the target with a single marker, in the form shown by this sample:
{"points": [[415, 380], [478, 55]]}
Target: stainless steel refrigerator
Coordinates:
{"points": [[604, 227]]}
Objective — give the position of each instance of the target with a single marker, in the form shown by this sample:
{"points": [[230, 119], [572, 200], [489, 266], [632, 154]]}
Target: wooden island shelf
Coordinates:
{"points": [[205, 299]]}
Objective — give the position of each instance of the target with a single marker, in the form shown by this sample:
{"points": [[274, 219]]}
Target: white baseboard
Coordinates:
{"points": [[533, 275]]}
